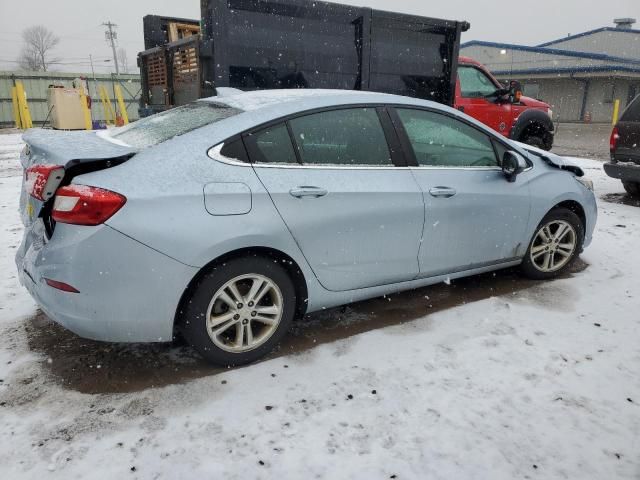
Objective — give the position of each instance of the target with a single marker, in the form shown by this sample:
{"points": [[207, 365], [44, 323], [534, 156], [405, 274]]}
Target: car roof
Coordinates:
{"points": [[305, 99], [261, 107]]}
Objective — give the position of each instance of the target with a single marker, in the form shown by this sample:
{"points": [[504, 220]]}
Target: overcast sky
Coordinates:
{"points": [[78, 22]]}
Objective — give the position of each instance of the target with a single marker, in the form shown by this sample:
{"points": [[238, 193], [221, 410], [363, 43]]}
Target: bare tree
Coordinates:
{"points": [[122, 60], [28, 60], [36, 51]]}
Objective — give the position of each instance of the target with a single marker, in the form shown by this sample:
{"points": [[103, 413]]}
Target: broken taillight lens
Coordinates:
{"points": [[65, 287], [43, 180], [84, 205]]}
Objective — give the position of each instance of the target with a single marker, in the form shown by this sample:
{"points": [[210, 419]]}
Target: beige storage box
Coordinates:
{"points": [[67, 113]]}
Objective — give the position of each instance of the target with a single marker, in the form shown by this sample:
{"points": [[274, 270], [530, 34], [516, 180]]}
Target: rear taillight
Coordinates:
{"points": [[65, 287], [42, 180], [83, 205], [613, 140]]}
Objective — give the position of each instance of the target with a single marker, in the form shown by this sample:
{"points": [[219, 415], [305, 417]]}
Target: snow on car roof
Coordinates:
{"points": [[258, 99]]}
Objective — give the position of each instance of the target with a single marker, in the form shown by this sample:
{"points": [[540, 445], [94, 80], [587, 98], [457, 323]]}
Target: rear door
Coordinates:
{"points": [[474, 217], [355, 215]]}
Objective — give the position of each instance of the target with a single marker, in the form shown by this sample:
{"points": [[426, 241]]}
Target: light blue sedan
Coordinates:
{"points": [[227, 218]]}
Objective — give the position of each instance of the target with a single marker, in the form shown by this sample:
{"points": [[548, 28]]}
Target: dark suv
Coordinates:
{"points": [[625, 149]]}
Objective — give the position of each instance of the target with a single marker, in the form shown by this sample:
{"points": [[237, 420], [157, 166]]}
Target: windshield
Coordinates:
{"points": [[161, 127]]}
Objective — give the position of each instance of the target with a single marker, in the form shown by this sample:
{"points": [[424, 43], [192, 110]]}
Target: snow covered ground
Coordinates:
{"points": [[539, 383]]}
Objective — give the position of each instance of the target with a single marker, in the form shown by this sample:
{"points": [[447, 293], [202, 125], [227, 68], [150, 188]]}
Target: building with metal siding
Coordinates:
{"points": [[581, 76]]}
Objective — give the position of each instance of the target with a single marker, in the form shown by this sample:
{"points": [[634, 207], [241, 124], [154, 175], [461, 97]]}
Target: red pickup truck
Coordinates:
{"points": [[506, 110]]}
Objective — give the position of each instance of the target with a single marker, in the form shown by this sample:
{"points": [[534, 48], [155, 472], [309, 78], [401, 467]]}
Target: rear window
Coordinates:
{"points": [[161, 127], [632, 113]]}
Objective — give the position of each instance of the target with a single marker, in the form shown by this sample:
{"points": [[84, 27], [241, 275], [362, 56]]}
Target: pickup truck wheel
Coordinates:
{"points": [[535, 141], [555, 245], [632, 188], [239, 311]]}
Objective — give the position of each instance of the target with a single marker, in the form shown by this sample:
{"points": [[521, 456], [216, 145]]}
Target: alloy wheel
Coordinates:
{"points": [[553, 246], [244, 313]]}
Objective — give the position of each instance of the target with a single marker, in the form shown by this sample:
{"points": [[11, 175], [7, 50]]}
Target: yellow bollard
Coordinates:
{"points": [[121, 105], [616, 111], [23, 106], [85, 109], [109, 114], [16, 107]]}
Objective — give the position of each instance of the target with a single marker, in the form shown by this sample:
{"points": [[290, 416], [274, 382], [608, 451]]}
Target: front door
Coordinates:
{"points": [[474, 91], [474, 216], [356, 217]]}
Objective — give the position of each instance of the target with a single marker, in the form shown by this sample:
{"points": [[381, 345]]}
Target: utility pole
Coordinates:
{"points": [[93, 72], [111, 36]]}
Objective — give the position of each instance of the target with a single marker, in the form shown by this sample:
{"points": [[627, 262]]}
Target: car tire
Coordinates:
{"points": [[230, 335], [535, 141], [632, 188], [555, 245]]}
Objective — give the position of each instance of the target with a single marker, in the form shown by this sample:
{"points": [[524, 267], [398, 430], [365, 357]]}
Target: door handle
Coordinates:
{"points": [[305, 191], [445, 192]]}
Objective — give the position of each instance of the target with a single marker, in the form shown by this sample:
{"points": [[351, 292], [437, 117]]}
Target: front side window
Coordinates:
{"points": [[341, 137], [474, 83], [442, 141]]}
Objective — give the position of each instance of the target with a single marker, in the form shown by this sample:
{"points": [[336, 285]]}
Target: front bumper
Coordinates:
{"points": [[627, 172], [591, 212], [128, 291]]}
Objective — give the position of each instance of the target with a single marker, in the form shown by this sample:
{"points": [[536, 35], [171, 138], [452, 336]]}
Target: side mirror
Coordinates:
{"points": [[502, 95], [515, 91], [513, 164]]}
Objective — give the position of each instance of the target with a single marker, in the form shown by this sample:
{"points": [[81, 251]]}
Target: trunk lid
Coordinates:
{"points": [[77, 152]]}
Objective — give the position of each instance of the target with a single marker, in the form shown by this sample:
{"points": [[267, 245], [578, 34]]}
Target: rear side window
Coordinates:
{"points": [[161, 127], [632, 113], [351, 136], [442, 141], [235, 150], [271, 145]]}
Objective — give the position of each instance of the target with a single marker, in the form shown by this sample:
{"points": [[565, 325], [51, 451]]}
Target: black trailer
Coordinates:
{"points": [[266, 44]]}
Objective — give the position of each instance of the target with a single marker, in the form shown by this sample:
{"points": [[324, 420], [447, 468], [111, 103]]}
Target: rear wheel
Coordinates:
{"points": [[239, 311], [632, 188], [555, 245]]}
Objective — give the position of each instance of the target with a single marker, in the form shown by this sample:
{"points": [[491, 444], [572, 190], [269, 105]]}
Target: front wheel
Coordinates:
{"points": [[239, 311], [555, 245], [538, 137], [535, 141]]}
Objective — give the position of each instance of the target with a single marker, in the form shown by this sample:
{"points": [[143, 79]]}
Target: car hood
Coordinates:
{"points": [[552, 159], [532, 102]]}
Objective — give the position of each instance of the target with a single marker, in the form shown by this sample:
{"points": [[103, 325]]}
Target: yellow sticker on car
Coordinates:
{"points": [[30, 210]]}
